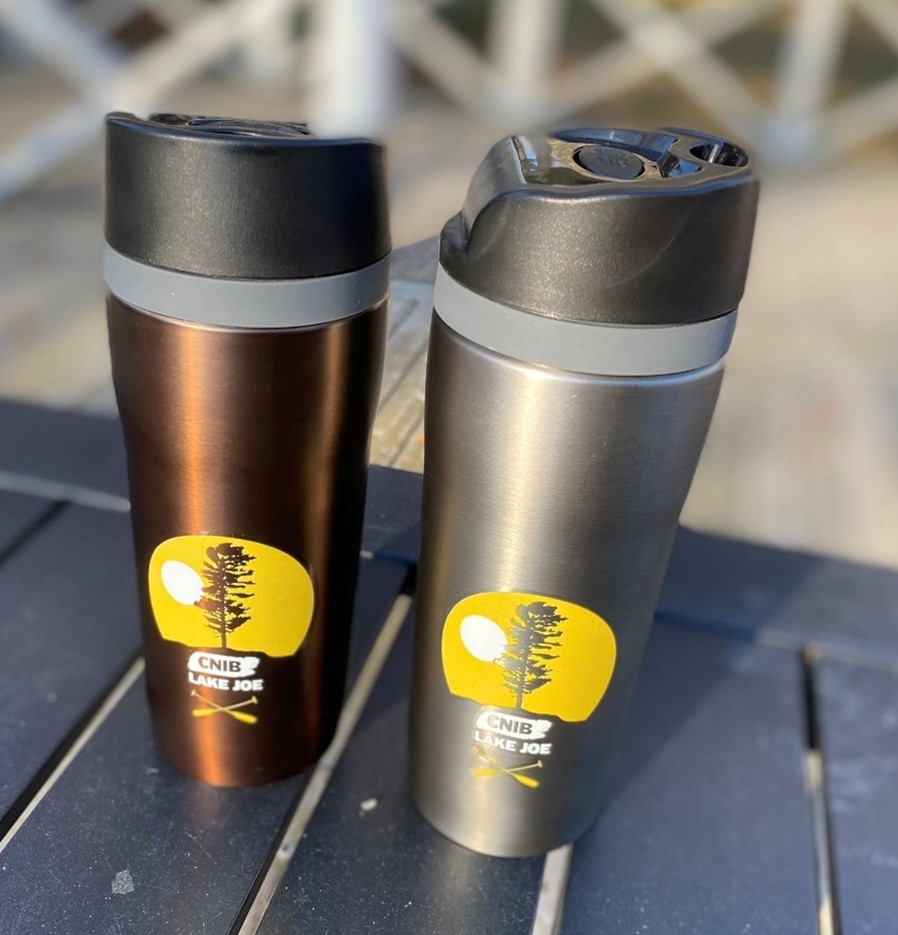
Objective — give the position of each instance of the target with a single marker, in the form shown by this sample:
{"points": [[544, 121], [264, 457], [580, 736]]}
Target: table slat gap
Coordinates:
{"points": [[550, 904], [62, 492], [285, 848], [863, 657], [854, 657], [394, 871], [714, 755], [203, 849], [857, 710], [65, 755], [828, 920], [41, 519]]}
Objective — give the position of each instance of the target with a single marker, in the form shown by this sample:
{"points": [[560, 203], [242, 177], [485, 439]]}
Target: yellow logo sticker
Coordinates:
{"points": [[233, 594], [528, 652]]}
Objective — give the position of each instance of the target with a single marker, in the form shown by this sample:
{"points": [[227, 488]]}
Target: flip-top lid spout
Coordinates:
{"points": [[608, 225]]}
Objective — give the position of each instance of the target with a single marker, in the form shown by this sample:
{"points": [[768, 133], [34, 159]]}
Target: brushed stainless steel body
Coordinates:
{"points": [[585, 299], [553, 482], [263, 435]]}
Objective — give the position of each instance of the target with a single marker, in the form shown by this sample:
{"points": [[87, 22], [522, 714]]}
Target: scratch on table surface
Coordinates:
{"points": [[122, 883], [200, 846], [171, 823]]}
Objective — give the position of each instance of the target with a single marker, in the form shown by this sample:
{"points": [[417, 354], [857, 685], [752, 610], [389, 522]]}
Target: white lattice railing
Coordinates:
{"points": [[346, 64]]}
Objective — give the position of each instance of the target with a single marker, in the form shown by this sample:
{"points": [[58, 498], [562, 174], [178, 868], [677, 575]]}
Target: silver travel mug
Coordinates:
{"points": [[585, 299]]}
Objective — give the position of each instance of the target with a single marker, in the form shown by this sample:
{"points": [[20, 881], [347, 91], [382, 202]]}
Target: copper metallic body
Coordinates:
{"points": [[262, 435]]}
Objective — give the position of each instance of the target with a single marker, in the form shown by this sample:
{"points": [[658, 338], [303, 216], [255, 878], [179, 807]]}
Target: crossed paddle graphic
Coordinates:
{"points": [[225, 709], [494, 768]]}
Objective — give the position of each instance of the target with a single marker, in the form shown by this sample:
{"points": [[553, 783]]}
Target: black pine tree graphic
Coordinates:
{"points": [[533, 636], [227, 578]]}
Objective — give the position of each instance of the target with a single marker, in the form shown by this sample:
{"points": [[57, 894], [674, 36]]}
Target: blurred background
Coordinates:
{"points": [[803, 451]]}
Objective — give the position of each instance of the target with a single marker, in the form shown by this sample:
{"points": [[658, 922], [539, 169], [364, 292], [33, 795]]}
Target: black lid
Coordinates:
{"points": [[608, 225], [242, 199]]}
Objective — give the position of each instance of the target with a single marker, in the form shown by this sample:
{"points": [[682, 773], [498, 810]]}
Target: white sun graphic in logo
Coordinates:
{"points": [[483, 638], [181, 581]]}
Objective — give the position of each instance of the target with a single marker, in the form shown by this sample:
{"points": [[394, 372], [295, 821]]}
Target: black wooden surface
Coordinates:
{"points": [[708, 825], [370, 863], [68, 629], [859, 726], [124, 843], [19, 515], [756, 592], [391, 514], [50, 444]]}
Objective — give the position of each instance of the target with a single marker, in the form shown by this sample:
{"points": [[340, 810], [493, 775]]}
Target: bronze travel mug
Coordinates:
{"points": [[247, 269], [584, 304]]}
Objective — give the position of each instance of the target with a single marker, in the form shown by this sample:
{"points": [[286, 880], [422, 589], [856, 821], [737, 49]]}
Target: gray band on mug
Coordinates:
{"points": [[245, 303], [583, 347]]}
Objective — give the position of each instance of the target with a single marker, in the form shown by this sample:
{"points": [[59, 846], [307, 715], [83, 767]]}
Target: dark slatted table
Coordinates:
{"points": [[756, 792]]}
